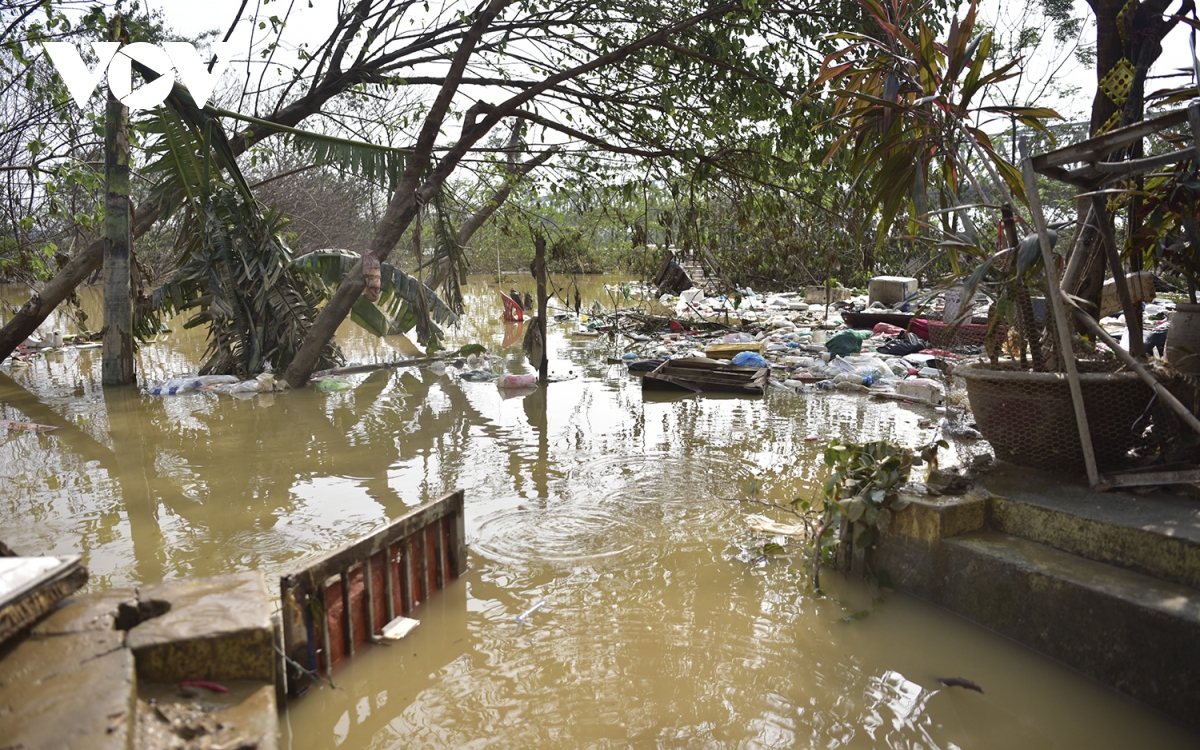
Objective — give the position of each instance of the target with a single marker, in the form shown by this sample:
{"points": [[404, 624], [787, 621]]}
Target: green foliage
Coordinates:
{"points": [[52, 197], [1170, 214], [909, 109], [860, 497], [237, 279], [396, 310]]}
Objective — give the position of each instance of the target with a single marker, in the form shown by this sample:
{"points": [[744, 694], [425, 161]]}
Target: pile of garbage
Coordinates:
{"points": [[223, 384], [808, 347]]}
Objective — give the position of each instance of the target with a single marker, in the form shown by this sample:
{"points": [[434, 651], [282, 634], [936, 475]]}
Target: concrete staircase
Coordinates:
{"points": [[1107, 583]]}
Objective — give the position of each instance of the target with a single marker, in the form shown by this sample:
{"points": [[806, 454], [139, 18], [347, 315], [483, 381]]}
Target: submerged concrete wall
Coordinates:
{"points": [[1097, 581]]}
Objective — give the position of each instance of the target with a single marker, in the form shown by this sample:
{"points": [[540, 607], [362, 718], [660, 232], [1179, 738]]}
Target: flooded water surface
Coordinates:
{"points": [[662, 624]]}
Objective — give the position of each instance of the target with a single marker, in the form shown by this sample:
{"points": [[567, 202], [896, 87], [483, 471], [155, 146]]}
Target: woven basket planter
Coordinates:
{"points": [[1029, 418]]}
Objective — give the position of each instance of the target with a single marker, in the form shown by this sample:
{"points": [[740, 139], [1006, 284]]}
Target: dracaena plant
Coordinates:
{"points": [[910, 110]]}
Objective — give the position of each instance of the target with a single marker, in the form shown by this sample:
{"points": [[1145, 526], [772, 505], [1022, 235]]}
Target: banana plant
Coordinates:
{"points": [[236, 274], [397, 310]]}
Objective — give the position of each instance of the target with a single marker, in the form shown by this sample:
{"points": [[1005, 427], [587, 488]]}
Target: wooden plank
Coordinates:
{"points": [[389, 583], [422, 591], [729, 351], [395, 545], [458, 536], [1193, 116], [1102, 145], [1131, 167], [369, 597], [406, 580], [1058, 316], [347, 613], [1154, 477], [440, 547], [340, 559], [1133, 315], [326, 646]]}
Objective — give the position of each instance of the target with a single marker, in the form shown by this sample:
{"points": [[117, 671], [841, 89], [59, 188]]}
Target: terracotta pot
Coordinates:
{"points": [[1183, 339]]}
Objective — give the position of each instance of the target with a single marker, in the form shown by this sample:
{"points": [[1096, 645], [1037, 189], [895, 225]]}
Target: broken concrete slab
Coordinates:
{"points": [[97, 611], [216, 628], [73, 690], [236, 721]]}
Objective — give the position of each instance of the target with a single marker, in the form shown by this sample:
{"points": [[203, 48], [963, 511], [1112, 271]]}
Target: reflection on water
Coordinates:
{"points": [[656, 631]]}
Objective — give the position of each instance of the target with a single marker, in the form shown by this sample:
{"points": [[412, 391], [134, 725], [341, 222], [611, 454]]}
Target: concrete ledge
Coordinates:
{"points": [[1138, 634], [246, 718], [68, 691], [216, 628], [1156, 533], [92, 612], [1097, 581]]}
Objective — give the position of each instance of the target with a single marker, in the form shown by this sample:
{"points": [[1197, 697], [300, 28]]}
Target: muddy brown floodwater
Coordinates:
{"points": [[660, 626]]}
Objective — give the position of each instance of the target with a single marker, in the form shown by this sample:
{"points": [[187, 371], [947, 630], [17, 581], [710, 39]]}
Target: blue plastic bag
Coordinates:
{"points": [[749, 359]]}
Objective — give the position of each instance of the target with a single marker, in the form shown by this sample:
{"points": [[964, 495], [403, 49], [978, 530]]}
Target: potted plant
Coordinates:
{"points": [[908, 104]]}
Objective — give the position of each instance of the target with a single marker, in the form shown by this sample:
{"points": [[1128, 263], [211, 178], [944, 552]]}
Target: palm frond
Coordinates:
{"points": [[398, 299], [373, 162]]}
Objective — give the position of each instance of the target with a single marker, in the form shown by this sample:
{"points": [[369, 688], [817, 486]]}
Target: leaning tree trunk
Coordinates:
{"points": [[117, 366]]}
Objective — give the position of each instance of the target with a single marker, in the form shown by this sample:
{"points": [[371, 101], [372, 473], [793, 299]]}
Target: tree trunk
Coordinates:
{"points": [[478, 120], [476, 220], [117, 365], [539, 273], [1141, 45]]}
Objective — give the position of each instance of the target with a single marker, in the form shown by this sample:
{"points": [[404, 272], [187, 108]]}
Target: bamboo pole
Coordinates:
{"points": [[1133, 315], [1058, 313], [539, 272]]}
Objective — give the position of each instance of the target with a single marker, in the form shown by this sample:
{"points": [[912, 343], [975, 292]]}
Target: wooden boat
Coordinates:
{"points": [[8, 424], [512, 309], [868, 319], [705, 376]]}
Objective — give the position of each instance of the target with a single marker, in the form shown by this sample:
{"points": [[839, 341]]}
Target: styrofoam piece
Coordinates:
{"points": [[400, 627]]}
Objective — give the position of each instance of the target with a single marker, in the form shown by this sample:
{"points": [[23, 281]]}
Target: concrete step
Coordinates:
{"points": [[1136, 633], [1155, 533]]}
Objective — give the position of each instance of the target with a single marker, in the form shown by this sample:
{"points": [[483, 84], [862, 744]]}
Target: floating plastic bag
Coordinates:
{"points": [[737, 338], [749, 359], [176, 386], [845, 342], [516, 381], [333, 385]]}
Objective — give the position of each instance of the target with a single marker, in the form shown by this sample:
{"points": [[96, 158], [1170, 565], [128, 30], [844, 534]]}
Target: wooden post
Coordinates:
{"points": [[1058, 314], [1024, 304], [1175, 405], [117, 366], [1133, 313], [539, 272]]}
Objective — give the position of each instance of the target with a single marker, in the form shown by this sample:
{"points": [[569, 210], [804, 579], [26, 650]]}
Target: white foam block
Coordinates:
{"points": [[400, 627]]}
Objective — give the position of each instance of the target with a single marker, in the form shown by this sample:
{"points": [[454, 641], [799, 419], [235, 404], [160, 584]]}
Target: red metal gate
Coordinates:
{"points": [[342, 600]]}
